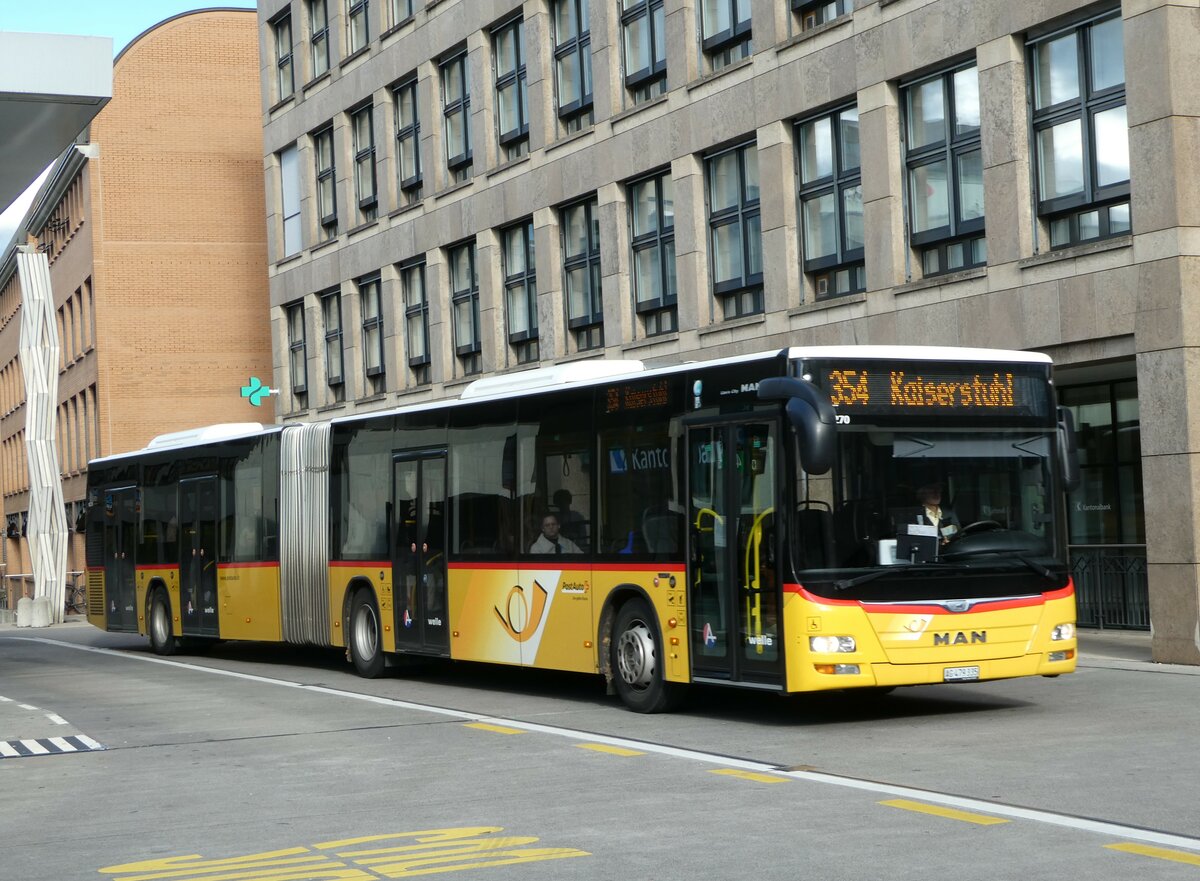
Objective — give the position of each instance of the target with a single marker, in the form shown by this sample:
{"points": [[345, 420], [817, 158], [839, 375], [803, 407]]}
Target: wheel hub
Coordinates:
{"points": [[366, 633], [636, 655]]}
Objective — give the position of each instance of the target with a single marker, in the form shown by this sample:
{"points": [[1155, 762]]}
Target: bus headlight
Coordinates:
{"points": [[827, 645], [1063, 631]]}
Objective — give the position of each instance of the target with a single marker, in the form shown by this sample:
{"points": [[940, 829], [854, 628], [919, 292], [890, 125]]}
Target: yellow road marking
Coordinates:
{"points": [[938, 811], [1159, 853], [614, 750], [749, 775], [498, 729]]}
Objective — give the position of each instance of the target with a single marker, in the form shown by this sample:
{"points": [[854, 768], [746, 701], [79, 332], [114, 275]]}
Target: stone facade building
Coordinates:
{"points": [[153, 226], [461, 188]]}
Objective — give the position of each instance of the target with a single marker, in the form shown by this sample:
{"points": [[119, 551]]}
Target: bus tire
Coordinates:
{"points": [[637, 662], [365, 636], [162, 639]]}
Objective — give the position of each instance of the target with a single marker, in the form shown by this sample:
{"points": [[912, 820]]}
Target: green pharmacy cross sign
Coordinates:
{"points": [[256, 391]]}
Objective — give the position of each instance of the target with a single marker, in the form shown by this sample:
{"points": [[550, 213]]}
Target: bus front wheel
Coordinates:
{"points": [[162, 640], [637, 662], [366, 643]]}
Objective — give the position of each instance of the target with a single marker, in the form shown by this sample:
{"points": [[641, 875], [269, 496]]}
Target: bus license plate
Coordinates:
{"points": [[960, 674]]}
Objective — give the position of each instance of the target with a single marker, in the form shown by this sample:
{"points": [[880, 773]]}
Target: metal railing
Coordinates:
{"points": [[1111, 586]]}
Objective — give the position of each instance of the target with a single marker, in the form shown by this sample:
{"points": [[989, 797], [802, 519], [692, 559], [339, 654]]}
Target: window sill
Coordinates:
{"points": [[812, 33], [329, 408], [646, 342], [414, 392], [570, 139], [321, 246], [829, 303], [350, 233], [451, 190], [1069, 253], [935, 281], [512, 163], [405, 209], [289, 260], [640, 108], [732, 324], [397, 27], [717, 74], [371, 399], [281, 103], [354, 56], [316, 81]]}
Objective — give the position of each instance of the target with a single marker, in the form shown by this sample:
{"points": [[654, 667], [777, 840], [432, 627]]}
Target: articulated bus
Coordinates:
{"points": [[752, 522]]}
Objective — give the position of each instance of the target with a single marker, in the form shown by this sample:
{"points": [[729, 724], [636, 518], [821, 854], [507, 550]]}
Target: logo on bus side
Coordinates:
{"points": [[960, 638], [518, 619]]}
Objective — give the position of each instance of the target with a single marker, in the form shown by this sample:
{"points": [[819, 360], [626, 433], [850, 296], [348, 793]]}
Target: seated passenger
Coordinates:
{"points": [[550, 542]]}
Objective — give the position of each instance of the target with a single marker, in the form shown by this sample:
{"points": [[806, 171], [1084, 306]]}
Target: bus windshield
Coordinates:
{"points": [[929, 499]]}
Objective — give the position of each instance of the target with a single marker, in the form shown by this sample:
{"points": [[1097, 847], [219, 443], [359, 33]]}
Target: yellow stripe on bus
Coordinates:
{"points": [[1159, 853], [948, 813]]}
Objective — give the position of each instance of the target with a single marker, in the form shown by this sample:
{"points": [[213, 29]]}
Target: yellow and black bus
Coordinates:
{"points": [[759, 522]]}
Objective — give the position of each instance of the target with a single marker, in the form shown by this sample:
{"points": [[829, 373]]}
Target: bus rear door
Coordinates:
{"points": [[198, 556], [419, 551], [733, 585], [120, 538]]}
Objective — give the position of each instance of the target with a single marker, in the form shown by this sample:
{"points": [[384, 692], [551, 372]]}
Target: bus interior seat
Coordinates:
{"points": [[814, 531], [857, 527], [661, 528]]}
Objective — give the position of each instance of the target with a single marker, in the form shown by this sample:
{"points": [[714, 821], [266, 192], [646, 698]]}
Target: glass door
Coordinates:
{"points": [[734, 590], [198, 556], [120, 538], [419, 551]]}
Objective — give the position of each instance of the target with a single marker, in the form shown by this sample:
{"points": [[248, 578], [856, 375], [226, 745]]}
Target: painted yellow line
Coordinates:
{"points": [[612, 750], [749, 775], [1159, 853], [497, 729], [948, 813]]}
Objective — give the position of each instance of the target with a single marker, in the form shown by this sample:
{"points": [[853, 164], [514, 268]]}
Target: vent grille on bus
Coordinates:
{"points": [[95, 593], [95, 545]]}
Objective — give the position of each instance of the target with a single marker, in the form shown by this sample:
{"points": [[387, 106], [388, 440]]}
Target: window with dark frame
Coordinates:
{"points": [[464, 300], [318, 28], [363, 126], [371, 305], [652, 222], [520, 290], [297, 357], [811, 14], [416, 320], [290, 198], [573, 63], [1080, 131], [735, 230], [408, 141], [725, 30], [400, 11], [580, 224], [643, 27], [512, 105], [326, 183], [944, 166], [456, 104], [285, 78], [331, 314], [358, 23], [831, 202]]}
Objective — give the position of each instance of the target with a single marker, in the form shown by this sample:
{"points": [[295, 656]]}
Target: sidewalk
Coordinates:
{"points": [[1124, 650]]}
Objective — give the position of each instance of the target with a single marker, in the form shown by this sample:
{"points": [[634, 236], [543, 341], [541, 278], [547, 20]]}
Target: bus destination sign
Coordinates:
{"points": [[911, 389]]}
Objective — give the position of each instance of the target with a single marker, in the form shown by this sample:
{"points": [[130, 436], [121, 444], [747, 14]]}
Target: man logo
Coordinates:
{"points": [[960, 638]]}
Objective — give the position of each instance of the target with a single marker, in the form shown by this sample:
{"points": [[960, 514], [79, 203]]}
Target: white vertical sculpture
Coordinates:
{"points": [[46, 530]]}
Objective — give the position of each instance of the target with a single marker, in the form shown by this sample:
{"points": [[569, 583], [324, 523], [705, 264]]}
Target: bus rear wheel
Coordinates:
{"points": [[162, 640], [365, 636], [637, 662]]}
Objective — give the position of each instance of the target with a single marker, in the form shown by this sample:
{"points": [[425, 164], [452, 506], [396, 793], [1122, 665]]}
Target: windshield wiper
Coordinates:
{"points": [[847, 583], [1029, 562]]}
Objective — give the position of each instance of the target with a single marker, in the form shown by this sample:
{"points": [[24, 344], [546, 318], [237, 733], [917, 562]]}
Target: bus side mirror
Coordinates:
{"points": [[811, 414], [1068, 453]]}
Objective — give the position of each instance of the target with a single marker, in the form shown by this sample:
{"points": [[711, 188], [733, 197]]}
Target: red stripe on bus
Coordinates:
{"points": [[989, 605], [361, 564], [269, 564], [152, 566], [668, 569]]}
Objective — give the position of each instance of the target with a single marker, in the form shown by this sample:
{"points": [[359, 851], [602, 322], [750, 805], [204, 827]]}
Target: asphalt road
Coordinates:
{"points": [[267, 763]]}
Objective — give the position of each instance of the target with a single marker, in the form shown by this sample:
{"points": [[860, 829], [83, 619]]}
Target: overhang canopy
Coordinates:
{"points": [[51, 87]]}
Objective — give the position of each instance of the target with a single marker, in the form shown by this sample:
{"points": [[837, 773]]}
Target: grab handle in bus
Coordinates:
{"points": [[810, 413]]}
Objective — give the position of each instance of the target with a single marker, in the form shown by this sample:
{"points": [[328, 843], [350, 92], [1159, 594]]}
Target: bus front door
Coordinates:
{"points": [[198, 557], [733, 585], [120, 537], [419, 551]]}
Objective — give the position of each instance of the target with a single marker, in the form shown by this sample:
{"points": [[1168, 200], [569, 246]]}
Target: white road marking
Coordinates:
{"points": [[968, 804], [26, 707], [7, 751], [56, 719], [63, 745], [34, 747]]}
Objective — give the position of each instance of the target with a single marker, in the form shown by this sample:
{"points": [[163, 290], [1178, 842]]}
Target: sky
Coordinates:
{"points": [[123, 20]]}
